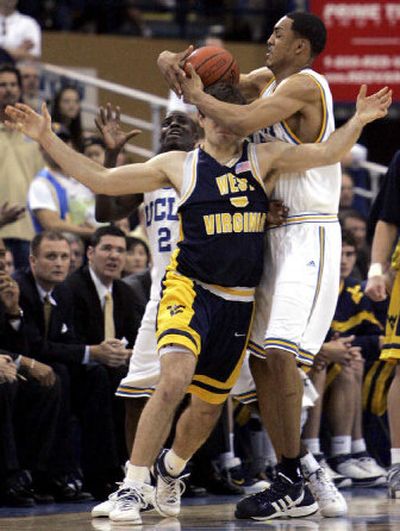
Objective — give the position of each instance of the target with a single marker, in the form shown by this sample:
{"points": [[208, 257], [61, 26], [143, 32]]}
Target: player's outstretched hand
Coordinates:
{"points": [[191, 85], [24, 119], [373, 107], [108, 122], [171, 67]]}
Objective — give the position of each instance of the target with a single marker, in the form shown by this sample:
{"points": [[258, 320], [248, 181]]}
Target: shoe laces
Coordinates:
{"points": [[322, 487], [126, 496], [394, 474], [172, 489]]}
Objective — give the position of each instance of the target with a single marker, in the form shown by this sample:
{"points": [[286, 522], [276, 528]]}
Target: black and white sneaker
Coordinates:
{"points": [[283, 498]]}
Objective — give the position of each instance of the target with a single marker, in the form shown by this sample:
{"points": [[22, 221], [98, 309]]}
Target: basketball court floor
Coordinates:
{"points": [[369, 509]]}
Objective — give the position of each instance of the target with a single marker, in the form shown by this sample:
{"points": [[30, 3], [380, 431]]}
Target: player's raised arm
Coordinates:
{"points": [[133, 178], [286, 158]]}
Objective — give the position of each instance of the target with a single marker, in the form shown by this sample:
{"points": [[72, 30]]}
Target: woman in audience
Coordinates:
{"points": [[66, 110]]}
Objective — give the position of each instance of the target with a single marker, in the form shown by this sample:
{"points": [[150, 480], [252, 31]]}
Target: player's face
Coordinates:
{"points": [[51, 264], [177, 132], [216, 134], [280, 45], [348, 260], [107, 259]]}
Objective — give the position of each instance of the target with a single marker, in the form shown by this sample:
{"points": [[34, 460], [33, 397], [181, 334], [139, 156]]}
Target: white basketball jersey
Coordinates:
{"points": [[315, 190], [162, 230]]}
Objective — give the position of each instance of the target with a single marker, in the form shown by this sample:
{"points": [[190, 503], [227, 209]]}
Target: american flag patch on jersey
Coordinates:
{"points": [[242, 167]]}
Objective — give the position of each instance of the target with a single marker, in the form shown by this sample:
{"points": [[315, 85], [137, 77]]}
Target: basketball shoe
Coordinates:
{"points": [[330, 500], [169, 489], [394, 481], [131, 498], [284, 498]]}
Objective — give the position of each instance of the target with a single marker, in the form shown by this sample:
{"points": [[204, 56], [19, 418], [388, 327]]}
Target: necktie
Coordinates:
{"points": [[47, 314], [109, 326]]}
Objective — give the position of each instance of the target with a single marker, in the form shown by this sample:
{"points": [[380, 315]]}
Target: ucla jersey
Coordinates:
{"points": [[316, 190], [162, 229], [222, 213]]}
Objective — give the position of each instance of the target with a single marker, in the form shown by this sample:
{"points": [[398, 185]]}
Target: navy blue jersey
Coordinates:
{"points": [[222, 216], [354, 314]]}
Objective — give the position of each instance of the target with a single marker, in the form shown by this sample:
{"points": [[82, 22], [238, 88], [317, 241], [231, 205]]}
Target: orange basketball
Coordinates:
{"points": [[213, 64]]}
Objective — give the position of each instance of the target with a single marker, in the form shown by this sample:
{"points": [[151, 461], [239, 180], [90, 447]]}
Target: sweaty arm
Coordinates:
{"points": [[289, 98]]}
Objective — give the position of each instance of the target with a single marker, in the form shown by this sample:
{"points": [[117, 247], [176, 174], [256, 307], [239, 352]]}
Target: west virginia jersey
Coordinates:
{"points": [[207, 300], [222, 215]]}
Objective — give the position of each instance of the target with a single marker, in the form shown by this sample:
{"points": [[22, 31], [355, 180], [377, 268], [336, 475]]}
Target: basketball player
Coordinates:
{"points": [[207, 300], [298, 293], [385, 237]]}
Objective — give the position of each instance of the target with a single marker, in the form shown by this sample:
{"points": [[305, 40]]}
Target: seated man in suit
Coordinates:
{"points": [[29, 405], [105, 308], [48, 316]]}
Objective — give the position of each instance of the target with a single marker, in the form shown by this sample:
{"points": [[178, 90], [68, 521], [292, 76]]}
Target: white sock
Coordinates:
{"points": [[137, 474], [228, 460], [309, 464], [313, 445], [395, 455], [341, 444], [357, 446], [173, 463]]}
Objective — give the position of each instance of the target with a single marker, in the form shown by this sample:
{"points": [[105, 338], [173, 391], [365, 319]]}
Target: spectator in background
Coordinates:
{"points": [[48, 315], [133, 24], [20, 35], [66, 110], [105, 309], [77, 251], [137, 256], [19, 162], [10, 214], [354, 222], [30, 75], [54, 198], [9, 267], [352, 164], [94, 148], [346, 191]]}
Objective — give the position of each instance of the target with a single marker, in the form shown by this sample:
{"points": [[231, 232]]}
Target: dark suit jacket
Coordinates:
{"points": [[88, 313], [11, 340], [61, 344]]}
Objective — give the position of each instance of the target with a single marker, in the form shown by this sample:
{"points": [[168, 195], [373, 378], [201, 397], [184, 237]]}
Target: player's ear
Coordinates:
{"points": [[303, 45]]}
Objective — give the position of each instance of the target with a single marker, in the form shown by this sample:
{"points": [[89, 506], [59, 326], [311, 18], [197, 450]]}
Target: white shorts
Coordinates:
{"points": [[298, 292], [144, 365], [244, 389]]}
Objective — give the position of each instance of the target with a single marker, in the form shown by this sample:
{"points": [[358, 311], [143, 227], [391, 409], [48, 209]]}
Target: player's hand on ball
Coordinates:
{"points": [[191, 84]]}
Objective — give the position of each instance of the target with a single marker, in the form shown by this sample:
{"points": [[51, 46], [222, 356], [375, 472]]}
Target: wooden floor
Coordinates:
{"points": [[369, 509]]}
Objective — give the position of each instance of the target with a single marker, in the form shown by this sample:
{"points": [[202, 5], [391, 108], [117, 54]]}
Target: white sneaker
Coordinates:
{"points": [[129, 501], [368, 463], [169, 489], [349, 467], [394, 481], [330, 500], [338, 480], [104, 508]]}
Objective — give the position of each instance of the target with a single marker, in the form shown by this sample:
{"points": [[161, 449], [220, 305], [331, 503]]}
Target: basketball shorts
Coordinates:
{"points": [[144, 365], [391, 346], [216, 329], [297, 296]]}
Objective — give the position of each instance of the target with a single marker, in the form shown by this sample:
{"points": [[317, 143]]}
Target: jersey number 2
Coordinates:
{"points": [[164, 240]]}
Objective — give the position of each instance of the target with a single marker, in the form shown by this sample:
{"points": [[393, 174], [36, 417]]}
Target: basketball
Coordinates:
{"points": [[213, 64]]}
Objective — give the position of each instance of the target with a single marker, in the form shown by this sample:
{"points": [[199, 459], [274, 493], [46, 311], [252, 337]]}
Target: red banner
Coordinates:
{"points": [[363, 45]]}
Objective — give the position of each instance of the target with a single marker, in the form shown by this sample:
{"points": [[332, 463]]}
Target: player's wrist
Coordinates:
{"points": [[375, 270]]}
